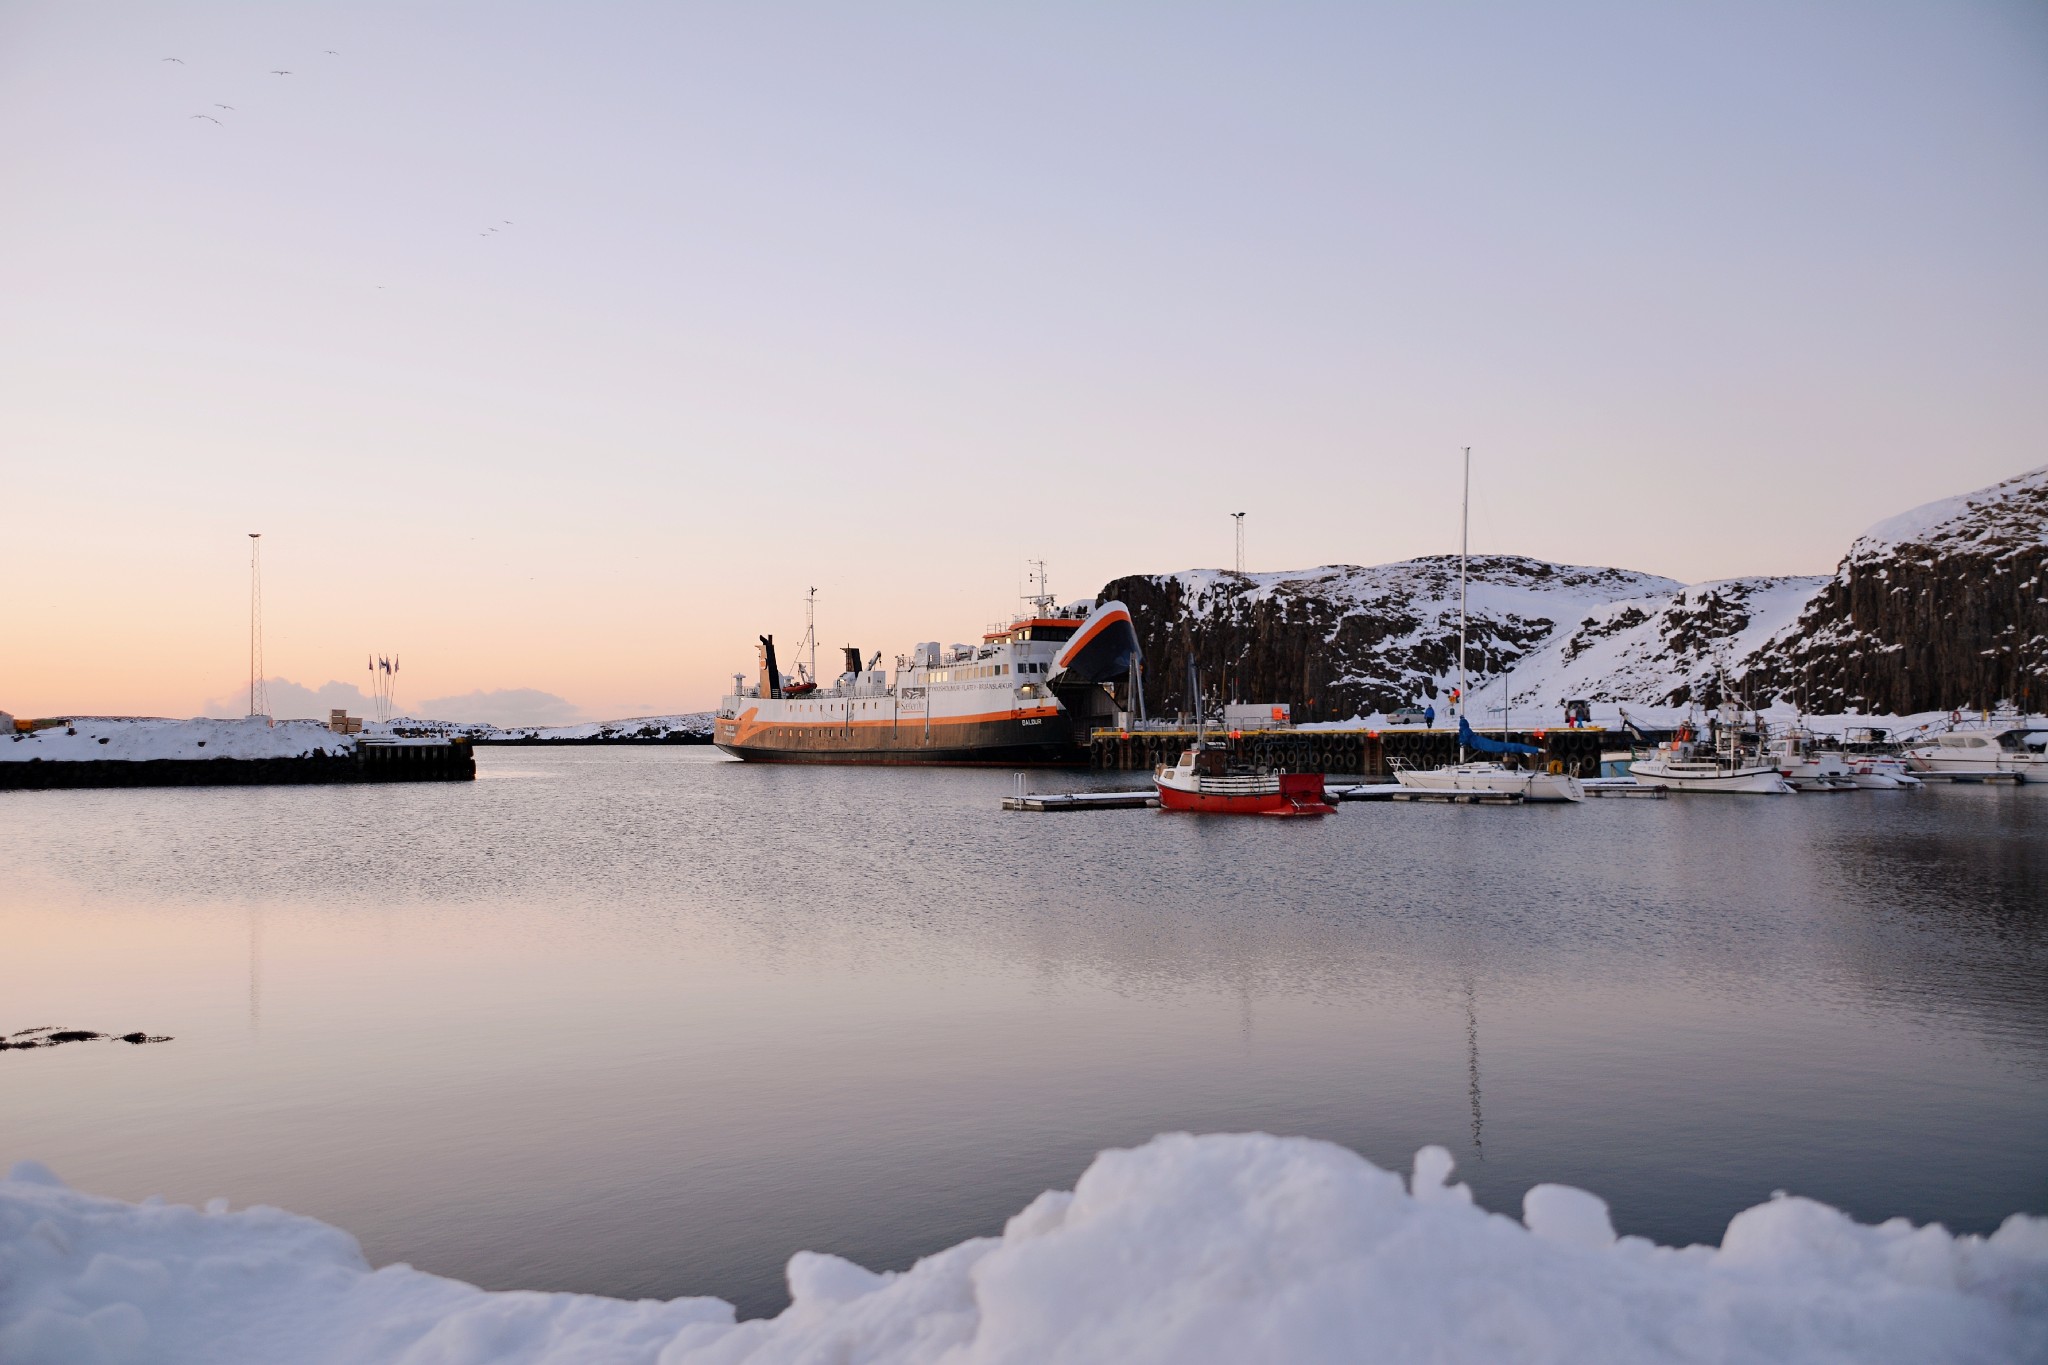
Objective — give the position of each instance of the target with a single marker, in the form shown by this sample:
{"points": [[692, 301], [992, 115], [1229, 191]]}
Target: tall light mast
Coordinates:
{"points": [[1238, 517], [259, 700]]}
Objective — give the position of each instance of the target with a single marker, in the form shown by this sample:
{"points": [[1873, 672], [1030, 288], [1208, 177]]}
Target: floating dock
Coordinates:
{"points": [[1622, 786], [1082, 801]]}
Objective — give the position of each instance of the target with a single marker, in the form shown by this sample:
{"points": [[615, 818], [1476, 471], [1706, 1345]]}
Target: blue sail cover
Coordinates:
{"points": [[1473, 740]]}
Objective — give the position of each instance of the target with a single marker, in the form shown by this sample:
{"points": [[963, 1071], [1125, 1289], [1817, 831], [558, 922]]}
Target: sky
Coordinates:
{"points": [[559, 349]]}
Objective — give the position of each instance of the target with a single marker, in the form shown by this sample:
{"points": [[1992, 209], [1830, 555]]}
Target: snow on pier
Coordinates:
{"points": [[1188, 1249], [128, 751], [142, 738]]}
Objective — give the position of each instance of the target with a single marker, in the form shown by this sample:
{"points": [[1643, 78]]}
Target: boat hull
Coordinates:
{"points": [[1736, 781]]}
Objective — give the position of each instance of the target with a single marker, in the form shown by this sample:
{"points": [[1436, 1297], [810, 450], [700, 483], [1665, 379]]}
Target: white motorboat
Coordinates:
{"points": [[1550, 783], [1808, 768], [1883, 772], [2013, 753]]}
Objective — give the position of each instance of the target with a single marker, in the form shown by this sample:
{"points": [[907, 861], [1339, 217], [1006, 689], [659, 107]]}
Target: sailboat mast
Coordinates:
{"points": [[1464, 548]]}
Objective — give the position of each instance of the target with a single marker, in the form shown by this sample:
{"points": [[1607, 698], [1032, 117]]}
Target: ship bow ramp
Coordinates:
{"points": [[1102, 650]]}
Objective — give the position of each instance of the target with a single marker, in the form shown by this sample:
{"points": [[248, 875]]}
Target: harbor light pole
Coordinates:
{"points": [[1238, 517]]}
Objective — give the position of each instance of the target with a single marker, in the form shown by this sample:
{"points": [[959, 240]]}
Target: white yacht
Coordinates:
{"points": [[2013, 752], [1531, 784], [1550, 783]]}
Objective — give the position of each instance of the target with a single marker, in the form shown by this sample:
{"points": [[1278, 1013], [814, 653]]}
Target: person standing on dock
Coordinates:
{"points": [[1429, 715]]}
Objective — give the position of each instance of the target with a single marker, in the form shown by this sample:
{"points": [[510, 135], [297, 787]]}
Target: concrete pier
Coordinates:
{"points": [[402, 761]]}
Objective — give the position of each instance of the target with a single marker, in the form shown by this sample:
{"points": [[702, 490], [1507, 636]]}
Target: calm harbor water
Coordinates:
{"points": [[646, 1021]]}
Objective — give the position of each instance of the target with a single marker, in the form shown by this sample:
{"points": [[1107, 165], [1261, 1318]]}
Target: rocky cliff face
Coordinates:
{"points": [[1341, 640], [1945, 606], [1942, 607]]}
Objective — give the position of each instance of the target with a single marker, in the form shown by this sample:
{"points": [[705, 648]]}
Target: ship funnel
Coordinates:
{"points": [[1103, 649], [771, 676]]}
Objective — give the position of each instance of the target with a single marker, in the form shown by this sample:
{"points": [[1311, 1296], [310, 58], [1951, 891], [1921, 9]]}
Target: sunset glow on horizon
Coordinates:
{"points": [[559, 351]]}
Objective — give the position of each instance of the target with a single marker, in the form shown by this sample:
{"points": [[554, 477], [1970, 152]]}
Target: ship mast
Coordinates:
{"points": [[811, 634], [1464, 548]]}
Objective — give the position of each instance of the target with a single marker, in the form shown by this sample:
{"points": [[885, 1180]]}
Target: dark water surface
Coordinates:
{"points": [[645, 1021]]}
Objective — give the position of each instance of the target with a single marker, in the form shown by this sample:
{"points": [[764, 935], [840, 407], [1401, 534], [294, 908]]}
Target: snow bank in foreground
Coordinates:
{"points": [[134, 738], [1228, 1248]]}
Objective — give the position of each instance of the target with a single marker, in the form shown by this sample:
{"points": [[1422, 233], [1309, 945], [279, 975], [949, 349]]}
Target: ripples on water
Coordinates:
{"points": [[644, 1021]]}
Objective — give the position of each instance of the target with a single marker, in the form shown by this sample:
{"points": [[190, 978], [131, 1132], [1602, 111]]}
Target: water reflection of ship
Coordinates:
{"points": [[1028, 694]]}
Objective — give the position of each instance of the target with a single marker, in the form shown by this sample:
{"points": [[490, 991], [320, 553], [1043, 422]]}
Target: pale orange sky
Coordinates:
{"points": [[888, 301]]}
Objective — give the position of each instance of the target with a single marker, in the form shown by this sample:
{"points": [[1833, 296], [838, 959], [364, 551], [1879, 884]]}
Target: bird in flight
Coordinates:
{"points": [[209, 118], [179, 60], [332, 53], [229, 107], [280, 73]]}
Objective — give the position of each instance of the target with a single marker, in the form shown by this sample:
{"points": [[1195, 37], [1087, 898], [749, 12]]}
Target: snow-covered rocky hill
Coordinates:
{"points": [[1944, 606], [693, 727], [1941, 607]]}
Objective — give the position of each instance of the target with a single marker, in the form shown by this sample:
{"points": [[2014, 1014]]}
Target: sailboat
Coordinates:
{"points": [[1486, 775]]}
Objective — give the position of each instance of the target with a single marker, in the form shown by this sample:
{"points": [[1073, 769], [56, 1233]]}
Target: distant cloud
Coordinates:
{"points": [[505, 706], [295, 701]]}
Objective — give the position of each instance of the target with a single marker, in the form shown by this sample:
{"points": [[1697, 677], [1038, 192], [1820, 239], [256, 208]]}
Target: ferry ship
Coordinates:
{"points": [[1027, 695]]}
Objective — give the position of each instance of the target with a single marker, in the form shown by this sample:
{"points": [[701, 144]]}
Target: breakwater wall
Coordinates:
{"points": [[450, 761], [1368, 753]]}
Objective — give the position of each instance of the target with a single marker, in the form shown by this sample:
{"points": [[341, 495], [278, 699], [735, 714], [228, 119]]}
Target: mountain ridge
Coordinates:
{"points": [[1940, 606]]}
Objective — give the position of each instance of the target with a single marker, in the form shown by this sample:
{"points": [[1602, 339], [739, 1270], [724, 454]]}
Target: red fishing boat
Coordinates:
{"points": [[1205, 780]]}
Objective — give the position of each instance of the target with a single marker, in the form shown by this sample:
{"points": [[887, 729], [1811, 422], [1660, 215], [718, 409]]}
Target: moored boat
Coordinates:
{"points": [[1683, 764], [1807, 767], [1494, 775], [1679, 767], [1205, 780], [1506, 775], [2008, 748]]}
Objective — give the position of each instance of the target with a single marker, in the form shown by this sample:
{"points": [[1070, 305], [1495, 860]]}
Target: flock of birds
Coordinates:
{"points": [[229, 108], [180, 61]]}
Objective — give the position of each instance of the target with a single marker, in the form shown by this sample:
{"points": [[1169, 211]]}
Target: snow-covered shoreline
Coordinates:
{"points": [[1226, 1248], [679, 728], [137, 739]]}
